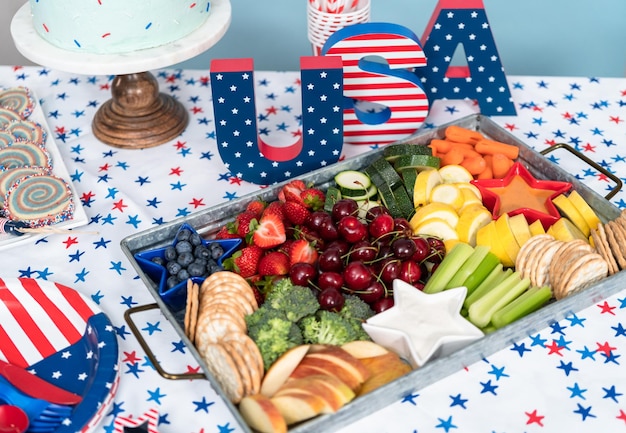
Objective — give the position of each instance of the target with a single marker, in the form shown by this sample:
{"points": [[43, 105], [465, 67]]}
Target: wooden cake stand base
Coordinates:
{"points": [[138, 116]]}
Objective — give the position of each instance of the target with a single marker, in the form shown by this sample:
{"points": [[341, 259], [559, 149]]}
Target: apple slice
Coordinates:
{"points": [[384, 369], [298, 406], [282, 368], [364, 349], [334, 361], [333, 391], [261, 414]]}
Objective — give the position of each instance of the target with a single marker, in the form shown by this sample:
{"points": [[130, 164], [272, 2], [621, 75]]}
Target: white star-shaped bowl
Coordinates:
{"points": [[420, 327]]}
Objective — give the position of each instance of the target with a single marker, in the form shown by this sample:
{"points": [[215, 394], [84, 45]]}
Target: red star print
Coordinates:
{"points": [[603, 177], [589, 148], [104, 167], [510, 126], [605, 348], [297, 133], [196, 203], [60, 129], [623, 92], [622, 415], [615, 119], [606, 308], [69, 242], [196, 110], [105, 86], [555, 348], [235, 180], [119, 205], [176, 171], [17, 68], [298, 81], [567, 116], [204, 80], [550, 142], [87, 196], [180, 144], [193, 370], [171, 78], [131, 357], [537, 108], [271, 110], [533, 418]]}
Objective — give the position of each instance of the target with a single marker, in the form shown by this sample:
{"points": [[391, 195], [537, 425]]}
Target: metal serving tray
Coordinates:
{"points": [[208, 221]]}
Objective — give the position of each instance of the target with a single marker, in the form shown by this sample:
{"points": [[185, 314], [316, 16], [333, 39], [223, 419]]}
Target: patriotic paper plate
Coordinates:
{"points": [[62, 337]]}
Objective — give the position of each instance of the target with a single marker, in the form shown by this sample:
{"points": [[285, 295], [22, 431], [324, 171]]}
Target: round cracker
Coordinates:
{"points": [[614, 245], [221, 365], [541, 266], [251, 355], [213, 330], [568, 251], [242, 368], [240, 288], [526, 249], [225, 302], [191, 311], [587, 270], [602, 246], [236, 295]]}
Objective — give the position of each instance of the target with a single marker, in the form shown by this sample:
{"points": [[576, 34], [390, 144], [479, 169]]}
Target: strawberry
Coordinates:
{"points": [[242, 223], [245, 261], [313, 198], [291, 191], [275, 208], [295, 213], [257, 207], [301, 251], [226, 232], [269, 233], [274, 263]]}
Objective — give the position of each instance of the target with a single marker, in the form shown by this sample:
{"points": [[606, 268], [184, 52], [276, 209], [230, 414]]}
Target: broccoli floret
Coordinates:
{"points": [[273, 333], [355, 308], [294, 301], [327, 327]]}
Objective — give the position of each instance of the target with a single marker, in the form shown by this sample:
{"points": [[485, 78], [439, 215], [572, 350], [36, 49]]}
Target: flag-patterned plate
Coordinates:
{"points": [[62, 337]]}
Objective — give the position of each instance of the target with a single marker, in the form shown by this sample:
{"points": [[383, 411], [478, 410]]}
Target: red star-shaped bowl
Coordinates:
{"points": [[520, 192]]}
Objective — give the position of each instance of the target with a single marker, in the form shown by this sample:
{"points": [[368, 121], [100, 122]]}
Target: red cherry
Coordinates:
{"points": [[403, 248], [363, 251], [437, 250], [330, 280], [373, 292], [357, 276], [390, 270], [344, 207], [402, 225], [380, 226], [341, 245], [301, 274], [315, 220], [351, 229], [422, 249], [375, 211], [331, 299], [410, 272], [328, 230], [382, 304], [330, 260]]}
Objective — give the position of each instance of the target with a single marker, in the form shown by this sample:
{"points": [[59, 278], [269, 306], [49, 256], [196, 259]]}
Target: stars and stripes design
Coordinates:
{"points": [[483, 79], [386, 101], [254, 159]]}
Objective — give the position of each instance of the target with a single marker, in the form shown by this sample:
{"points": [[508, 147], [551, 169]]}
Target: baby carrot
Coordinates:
{"points": [[462, 135], [487, 173], [453, 157], [500, 165], [475, 164], [440, 146], [485, 146]]}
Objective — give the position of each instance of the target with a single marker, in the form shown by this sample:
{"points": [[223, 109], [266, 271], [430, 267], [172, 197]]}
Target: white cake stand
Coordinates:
{"points": [[138, 115]]}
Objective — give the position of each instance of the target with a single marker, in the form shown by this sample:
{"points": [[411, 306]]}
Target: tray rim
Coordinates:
{"points": [[436, 369]]}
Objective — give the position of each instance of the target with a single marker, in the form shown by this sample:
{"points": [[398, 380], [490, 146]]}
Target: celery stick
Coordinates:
{"points": [[484, 269], [497, 275], [529, 301], [481, 311], [469, 267], [447, 268]]}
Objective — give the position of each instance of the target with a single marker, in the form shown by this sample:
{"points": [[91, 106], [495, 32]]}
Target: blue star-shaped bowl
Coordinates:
{"points": [[176, 296]]}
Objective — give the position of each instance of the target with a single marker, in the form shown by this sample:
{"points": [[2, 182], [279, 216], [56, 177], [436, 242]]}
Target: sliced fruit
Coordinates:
{"points": [[565, 230], [424, 184], [470, 187], [471, 219], [364, 349], [585, 210], [488, 235], [455, 173], [282, 368], [536, 228], [296, 407], [384, 369], [520, 228], [506, 237], [442, 211], [333, 391], [437, 227], [448, 193], [469, 198], [260, 413], [568, 210]]}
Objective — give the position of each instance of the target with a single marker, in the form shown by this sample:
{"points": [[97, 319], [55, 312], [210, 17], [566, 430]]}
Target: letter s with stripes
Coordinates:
{"points": [[385, 100]]}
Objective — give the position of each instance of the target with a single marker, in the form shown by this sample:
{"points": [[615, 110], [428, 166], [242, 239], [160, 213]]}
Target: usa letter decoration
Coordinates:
{"points": [[385, 101], [245, 153], [464, 23]]}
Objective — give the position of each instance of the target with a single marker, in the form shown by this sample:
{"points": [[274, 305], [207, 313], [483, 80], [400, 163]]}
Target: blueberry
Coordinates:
{"points": [[183, 235], [202, 251], [170, 253], [171, 282], [157, 260], [195, 239], [182, 275], [184, 247], [216, 251], [173, 267], [196, 269], [213, 268], [184, 259]]}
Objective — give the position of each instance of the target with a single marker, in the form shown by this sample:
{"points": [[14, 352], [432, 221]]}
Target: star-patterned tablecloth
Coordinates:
{"points": [[567, 377]]}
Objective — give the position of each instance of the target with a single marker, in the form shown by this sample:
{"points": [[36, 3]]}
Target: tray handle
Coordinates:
{"points": [[144, 345], [592, 163]]}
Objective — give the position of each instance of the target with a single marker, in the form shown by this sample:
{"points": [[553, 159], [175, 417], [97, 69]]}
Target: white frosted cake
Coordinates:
{"points": [[116, 26]]}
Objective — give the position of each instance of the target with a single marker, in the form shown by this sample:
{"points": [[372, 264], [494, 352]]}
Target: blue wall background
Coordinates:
{"points": [[534, 37]]}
